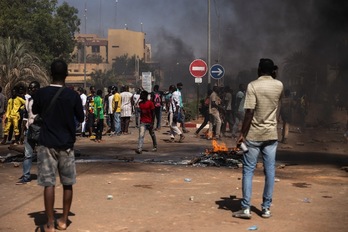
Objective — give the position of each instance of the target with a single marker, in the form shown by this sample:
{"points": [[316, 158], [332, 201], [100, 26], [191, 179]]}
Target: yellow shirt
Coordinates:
{"points": [[13, 107], [116, 99]]}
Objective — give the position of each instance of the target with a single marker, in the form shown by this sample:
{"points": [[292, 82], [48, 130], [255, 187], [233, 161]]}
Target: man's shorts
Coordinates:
{"points": [[50, 160]]}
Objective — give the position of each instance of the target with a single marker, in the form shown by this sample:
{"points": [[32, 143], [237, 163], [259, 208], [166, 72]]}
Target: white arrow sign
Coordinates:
{"points": [[219, 71]]}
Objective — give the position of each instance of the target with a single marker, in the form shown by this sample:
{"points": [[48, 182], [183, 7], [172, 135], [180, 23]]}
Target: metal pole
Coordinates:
{"points": [[197, 106], [84, 65], [209, 63]]}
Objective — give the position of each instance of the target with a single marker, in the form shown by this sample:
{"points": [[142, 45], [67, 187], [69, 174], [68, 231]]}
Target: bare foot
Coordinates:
{"points": [[61, 225], [49, 228]]}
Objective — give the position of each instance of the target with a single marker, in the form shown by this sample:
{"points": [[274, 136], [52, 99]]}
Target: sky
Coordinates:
{"points": [[242, 31]]}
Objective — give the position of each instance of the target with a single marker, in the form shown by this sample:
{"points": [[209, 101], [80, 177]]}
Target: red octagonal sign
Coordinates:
{"points": [[198, 68]]}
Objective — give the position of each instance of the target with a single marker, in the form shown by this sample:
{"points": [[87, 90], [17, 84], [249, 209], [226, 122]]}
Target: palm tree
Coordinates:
{"points": [[296, 69], [18, 65]]}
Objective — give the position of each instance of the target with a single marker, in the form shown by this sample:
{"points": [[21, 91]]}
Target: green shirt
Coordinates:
{"points": [[98, 106]]}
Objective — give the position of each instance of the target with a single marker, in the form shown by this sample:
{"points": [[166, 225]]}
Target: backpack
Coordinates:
{"points": [[157, 100]]}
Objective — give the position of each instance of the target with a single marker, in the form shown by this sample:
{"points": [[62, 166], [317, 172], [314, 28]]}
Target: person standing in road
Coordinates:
{"points": [[57, 139], [178, 95], [29, 145], [116, 108], [136, 110], [228, 104], [286, 107], [174, 109], [99, 115], [2, 110], [240, 98], [83, 97], [259, 133], [15, 103], [126, 109], [147, 118], [90, 112], [156, 97], [215, 114]]}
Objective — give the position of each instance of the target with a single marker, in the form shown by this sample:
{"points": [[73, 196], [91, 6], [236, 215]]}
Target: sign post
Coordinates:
{"points": [[198, 68]]}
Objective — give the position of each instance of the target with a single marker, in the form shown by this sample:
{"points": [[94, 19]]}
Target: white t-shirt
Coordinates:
{"points": [[126, 104]]}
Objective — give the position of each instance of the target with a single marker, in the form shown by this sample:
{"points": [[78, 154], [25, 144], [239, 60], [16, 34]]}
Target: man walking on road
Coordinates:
{"points": [[259, 133], [57, 138]]}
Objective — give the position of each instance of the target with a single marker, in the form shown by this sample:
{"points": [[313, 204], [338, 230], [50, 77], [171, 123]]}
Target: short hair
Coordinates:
{"points": [[179, 84], [99, 92], [266, 66], [59, 69], [143, 95]]}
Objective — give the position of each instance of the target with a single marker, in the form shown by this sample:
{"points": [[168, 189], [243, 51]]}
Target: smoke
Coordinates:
{"points": [[242, 31]]}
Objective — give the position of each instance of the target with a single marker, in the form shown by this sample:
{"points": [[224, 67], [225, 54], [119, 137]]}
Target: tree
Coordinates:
{"points": [[49, 29], [18, 65]]}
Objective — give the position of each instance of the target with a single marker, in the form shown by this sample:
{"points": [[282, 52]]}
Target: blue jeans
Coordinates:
{"points": [[117, 118], [28, 158], [268, 151], [142, 129]]}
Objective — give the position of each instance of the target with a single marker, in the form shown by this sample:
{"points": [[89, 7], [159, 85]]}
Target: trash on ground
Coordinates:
{"points": [[253, 228]]}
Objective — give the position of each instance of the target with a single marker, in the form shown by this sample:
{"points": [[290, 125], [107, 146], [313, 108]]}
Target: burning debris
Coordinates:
{"points": [[219, 155]]}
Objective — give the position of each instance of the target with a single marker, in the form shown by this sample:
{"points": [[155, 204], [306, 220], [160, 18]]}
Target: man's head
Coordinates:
{"points": [[172, 88], [266, 67], [92, 89], [59, 70], [80, 90], [216, 89], [33, 87], [179, 86], [155, 88], [143, 95], [99, 92]]}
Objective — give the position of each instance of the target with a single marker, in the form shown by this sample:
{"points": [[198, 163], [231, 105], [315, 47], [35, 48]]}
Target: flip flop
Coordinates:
{"points": [[59, 227]]}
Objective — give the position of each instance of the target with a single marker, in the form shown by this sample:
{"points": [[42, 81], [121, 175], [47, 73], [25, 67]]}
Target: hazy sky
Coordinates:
{"points": [[242, 31]]}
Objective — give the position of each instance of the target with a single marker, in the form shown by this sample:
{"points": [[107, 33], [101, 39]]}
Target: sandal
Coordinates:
{"points": [[60, 225]]}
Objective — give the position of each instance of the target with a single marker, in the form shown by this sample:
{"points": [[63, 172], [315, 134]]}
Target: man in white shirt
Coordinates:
{"points": [[83, 97]]}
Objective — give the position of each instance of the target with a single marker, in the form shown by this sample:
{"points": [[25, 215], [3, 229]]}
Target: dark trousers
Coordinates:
{"points": [[99, 130], [125, 124]]}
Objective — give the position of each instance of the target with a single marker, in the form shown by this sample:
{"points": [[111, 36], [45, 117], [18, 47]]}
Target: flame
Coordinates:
{"points": [[219, 147]]}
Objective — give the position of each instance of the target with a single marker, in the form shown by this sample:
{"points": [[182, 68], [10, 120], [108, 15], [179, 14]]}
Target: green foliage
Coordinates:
{"points": [[18, 65], [49, 29]]}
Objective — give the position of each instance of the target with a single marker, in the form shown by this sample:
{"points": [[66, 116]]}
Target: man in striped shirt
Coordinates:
{"points": [[259, 133]]}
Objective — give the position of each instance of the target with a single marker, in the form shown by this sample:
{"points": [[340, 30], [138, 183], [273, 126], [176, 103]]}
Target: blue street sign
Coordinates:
{"points": [[217, 71]]}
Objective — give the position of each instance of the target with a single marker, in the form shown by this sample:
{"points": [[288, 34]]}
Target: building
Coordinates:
{"points": [[97, 54]]}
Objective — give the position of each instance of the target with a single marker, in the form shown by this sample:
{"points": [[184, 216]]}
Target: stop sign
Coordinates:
{"points": [[198, 68]]}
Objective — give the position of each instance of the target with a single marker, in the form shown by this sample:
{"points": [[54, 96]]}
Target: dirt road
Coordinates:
{"points": [[124, 195]]}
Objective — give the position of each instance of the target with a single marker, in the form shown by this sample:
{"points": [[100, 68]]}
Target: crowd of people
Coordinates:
{"points": [[251, 115]]}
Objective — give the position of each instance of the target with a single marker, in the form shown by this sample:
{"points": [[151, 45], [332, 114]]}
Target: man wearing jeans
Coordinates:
{"points": [[29, 145], [259, 133]]}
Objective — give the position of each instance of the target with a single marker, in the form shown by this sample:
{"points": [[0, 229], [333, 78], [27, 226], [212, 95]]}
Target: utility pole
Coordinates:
{"points": [[84, 52], [209, 62]]}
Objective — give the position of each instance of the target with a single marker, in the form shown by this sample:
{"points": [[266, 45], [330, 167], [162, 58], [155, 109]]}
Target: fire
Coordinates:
{"points": [[219, 147]]}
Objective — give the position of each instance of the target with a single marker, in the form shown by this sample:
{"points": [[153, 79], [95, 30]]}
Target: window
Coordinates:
{"points": [[95, 49]]}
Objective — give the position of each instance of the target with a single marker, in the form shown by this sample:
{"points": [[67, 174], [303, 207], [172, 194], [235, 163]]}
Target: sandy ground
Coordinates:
{"points": [[130, 192]]}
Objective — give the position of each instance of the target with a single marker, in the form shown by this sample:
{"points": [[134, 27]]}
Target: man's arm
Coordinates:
{"points": [[249, 114]]}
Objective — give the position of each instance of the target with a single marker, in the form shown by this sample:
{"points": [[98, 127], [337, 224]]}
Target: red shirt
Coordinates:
{"points": [[146, 109]]}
